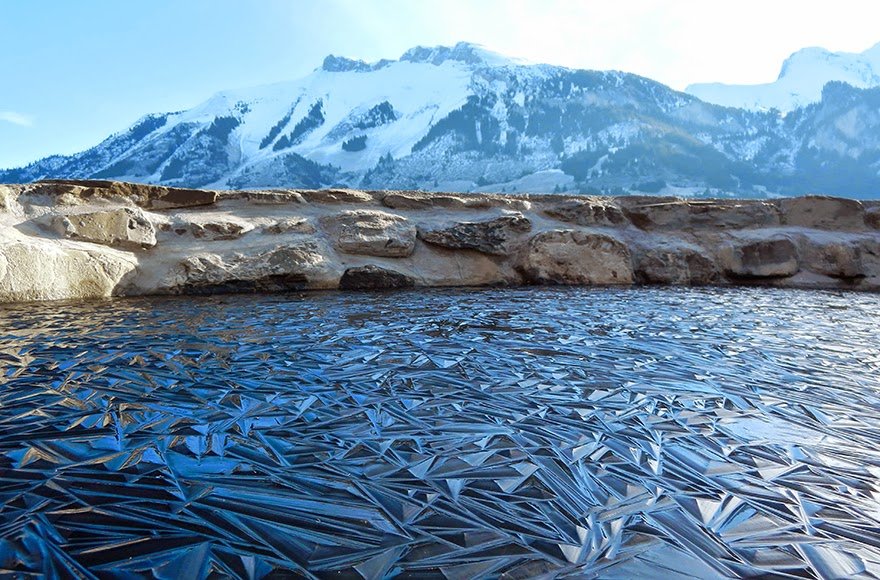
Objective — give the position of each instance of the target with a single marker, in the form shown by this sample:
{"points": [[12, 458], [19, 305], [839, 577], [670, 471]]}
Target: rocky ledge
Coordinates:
{"points": [[85, 239]]}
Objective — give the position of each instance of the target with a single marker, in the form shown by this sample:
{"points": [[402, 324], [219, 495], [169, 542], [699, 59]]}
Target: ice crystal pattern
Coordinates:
{"points": [[449, 434]]}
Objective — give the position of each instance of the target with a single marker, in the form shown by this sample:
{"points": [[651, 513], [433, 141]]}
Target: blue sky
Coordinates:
{"points": [[76, 71]]}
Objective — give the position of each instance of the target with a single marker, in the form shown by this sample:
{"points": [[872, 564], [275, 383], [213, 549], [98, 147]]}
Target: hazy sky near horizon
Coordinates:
{"points": [[77, 71]]}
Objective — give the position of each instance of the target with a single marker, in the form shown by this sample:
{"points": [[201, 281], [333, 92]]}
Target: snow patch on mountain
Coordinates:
{"points": [[419, 94]]}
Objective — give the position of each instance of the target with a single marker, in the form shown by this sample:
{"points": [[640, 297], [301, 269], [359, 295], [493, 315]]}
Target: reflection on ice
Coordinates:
{"points": [[759, 430], [449, 434]]}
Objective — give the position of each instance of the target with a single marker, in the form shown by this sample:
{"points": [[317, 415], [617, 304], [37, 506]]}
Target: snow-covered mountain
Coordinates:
{"points": [[465, 119], [800, 81]]}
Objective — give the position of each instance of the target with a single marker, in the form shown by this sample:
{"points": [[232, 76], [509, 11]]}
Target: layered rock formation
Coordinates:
{"points": [[85, 239]]}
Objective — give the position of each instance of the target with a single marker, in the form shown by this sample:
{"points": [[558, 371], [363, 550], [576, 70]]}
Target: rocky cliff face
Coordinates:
{"points": [[87, 239]]}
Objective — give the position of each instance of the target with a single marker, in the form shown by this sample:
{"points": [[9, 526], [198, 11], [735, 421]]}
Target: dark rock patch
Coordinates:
{"points": [[374, 278], [490, 237], [271, 283]]}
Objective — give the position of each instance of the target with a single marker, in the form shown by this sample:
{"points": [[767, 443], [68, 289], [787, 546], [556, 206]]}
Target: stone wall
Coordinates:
{"points": [[82, 239]]}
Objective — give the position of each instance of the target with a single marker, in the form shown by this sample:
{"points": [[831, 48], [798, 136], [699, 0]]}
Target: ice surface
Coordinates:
{"points": [[450, 434]]}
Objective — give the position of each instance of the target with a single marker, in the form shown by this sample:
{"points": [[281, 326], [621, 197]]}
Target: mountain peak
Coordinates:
{"points": [[333, 63], [464, 52], [805, 57]]}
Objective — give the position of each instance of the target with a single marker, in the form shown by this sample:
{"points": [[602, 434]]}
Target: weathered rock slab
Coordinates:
{"points": [[219, 228], [588, 212], [374, 278], [775, 257], [297, 225], [143, 195], [336, 196], [490, 237], [576, 257], [823, 212], [678, 214], [42, 270], [421, 200], [275, 197], [126, 228], [284, 268], [681, 265], [371, 233], [833, 258]]}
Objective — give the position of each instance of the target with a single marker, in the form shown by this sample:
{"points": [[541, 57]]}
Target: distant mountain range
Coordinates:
{"points": [[464, 119], [801, 80]]}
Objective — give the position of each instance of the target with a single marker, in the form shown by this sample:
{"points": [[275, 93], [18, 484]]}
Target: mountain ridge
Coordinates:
{"points": [[463, 118]]}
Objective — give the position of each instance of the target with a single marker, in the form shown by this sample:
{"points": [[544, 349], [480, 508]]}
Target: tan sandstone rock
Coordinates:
{"points": [[215, 228], [275, 197], [125, 227], [281, 269], [576, 257], [336, 196], [833, 258], [297, 225], [490, 237], [773, 257], [679, 265], [143, 195], [678, 214], [43, 270], [588, 212], [326, 239], [419, 200], [422, 200], [371, 233], [823, 212]]}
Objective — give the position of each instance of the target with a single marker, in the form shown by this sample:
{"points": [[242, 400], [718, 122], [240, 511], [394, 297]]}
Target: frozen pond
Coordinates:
{"points": [[450, 434]]}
